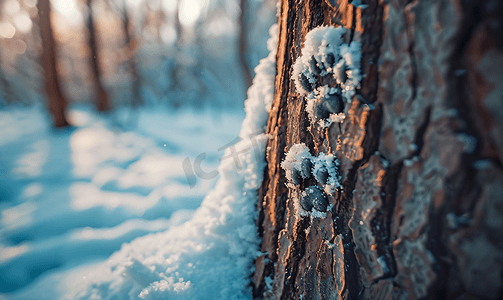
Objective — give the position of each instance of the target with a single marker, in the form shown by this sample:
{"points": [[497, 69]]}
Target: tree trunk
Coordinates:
{"points": [[420, 210], [101, 95], [132, 45], [57, 102], [178, 70], [243, 42], [6, 91]]}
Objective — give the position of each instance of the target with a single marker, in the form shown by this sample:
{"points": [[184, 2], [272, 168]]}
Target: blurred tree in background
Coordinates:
{"points": [[57, 102], [127, 53], [101, 95]]}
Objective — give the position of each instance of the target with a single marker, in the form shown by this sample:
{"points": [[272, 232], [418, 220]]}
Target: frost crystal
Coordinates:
{"points": [[326, 171], [326, 55], [469, 142]]}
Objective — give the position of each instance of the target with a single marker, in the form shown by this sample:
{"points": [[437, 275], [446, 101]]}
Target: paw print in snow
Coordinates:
{"points": [[327, 74], [300, 165]]}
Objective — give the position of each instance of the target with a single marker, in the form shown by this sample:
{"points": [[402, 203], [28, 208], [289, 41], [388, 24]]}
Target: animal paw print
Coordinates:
{"points": [[327, 74], [300, 166]]}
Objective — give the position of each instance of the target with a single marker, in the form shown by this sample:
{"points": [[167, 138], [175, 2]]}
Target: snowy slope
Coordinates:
{"points": [[211, 255]]}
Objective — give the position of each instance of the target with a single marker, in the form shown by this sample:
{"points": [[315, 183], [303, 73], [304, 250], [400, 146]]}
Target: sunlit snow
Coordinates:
{"points": [[70, 198]]}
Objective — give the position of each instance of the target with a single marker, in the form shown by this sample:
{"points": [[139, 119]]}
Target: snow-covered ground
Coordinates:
{"points": [[69, 198], [107, 210]]}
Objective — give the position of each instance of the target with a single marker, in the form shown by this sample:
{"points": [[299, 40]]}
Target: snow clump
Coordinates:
{"points": [[292, 164]]}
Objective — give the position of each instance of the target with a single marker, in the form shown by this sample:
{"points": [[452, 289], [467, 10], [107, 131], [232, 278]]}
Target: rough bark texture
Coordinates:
{"points": [[57, 102], [102, 102], [420, 215]]}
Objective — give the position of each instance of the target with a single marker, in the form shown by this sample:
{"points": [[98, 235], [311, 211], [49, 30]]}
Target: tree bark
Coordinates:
{"points": [[420, 211], [102, 102], [57, 102]]}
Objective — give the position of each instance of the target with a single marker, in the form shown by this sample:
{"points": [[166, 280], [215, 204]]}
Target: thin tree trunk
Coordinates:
{"points": [[178, 25], [198, 67], [132, 44], [243, 44], [57, 102], [102, 102], [420, 211], [6, 88], [177, 71]]}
